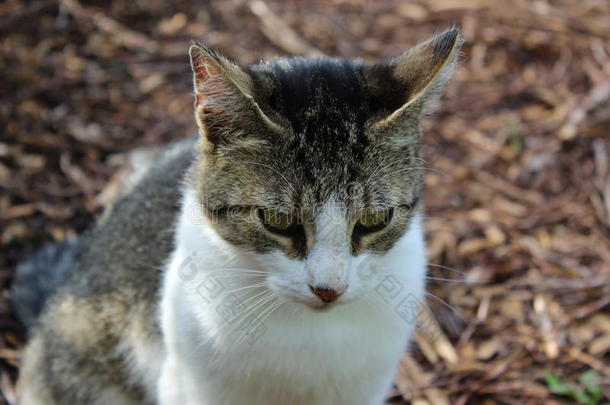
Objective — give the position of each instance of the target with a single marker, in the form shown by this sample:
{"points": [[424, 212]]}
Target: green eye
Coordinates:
{"points": [[275, 221], [374, 220]]}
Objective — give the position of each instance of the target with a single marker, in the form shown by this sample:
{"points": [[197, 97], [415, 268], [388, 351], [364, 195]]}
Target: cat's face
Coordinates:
{"points": [[313, 165]]}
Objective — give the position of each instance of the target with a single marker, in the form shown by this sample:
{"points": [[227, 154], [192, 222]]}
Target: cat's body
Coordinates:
{"points": [[102, 324], [270, 263]]}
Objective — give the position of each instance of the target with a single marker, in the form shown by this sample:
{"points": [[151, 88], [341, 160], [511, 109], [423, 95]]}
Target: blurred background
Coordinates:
{"points": [[518, 195]]}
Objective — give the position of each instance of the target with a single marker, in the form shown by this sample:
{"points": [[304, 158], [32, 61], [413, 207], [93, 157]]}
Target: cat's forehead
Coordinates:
{"points": [[324, 104], [316, 97], [310, 81]]}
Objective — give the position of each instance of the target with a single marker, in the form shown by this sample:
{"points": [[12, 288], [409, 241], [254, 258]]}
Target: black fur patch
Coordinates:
{"points": [[319, 97]]}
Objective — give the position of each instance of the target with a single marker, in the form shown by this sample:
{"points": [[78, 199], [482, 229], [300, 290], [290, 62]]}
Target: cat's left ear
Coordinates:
{"points": [[416, 78]]}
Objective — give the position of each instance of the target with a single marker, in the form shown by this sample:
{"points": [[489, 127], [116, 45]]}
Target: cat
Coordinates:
{"points": [[257, 263]]}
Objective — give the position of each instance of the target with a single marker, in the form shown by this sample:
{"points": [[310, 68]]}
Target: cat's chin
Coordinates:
{"points": [[323, 307]]}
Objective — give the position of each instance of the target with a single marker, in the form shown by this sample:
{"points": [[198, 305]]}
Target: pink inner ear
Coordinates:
{"points": [[204, 70], [214, 95], [207, 84]]}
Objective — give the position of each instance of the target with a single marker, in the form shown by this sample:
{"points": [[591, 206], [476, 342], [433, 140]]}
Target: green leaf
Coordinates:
{"points": [[582, 397], [557, 386], [515, 137], [596, 394], [590, 379]]}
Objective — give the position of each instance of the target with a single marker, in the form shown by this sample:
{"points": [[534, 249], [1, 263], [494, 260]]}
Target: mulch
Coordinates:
{"points": [[517, 195]]}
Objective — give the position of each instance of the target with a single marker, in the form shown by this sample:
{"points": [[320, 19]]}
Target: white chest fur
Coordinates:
{"points": [[231, 342]]}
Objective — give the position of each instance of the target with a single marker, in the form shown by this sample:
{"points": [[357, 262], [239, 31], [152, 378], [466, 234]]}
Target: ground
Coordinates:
{"points": [[518, 191]]}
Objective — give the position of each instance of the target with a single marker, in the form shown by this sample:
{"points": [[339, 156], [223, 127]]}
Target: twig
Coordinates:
{"points": [[280, 33], [119, 34]]}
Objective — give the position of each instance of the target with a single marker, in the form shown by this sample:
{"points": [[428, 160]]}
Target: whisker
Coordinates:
{"points": [[381, 168], [241, 269], [230, 272], [245, 269], [247, 287], [449, 280], [424, 161], [276, 171], [425, 217], [279, 301], [437, 299], [229, 326], [254, 297], [245, 318], [235, 274], [265, 313], [229, 258], [429, 169], [440, 266]]}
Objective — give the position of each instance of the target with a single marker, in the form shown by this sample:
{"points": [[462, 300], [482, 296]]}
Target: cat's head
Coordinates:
{"points": [[313, 164]]}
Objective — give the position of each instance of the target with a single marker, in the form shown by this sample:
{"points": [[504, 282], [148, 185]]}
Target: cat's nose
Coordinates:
{"points": [[326, 294]]}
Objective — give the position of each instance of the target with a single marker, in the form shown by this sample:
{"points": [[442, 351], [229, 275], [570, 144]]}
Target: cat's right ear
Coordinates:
{"points": [[225, 108]]}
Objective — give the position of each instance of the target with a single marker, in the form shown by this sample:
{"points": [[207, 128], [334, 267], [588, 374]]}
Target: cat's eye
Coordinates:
{"points": [[372, 221], [277, 222]]}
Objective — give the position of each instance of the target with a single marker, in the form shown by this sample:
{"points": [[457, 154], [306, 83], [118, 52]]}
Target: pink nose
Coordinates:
{"points": [[327, 295]]}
